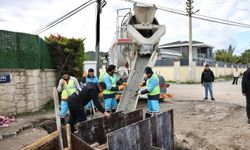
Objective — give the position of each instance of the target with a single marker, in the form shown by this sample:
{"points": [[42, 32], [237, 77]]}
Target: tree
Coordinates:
{"points": [[245, 57], [67, 53], [227, 55], [90, 56]]}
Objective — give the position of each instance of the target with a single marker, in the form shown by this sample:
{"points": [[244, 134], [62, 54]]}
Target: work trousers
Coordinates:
{"points": [[89, 106], [64, 109], [208, 87], [77, 114], [153, 106], [235, 81], [248, 106], [110, 103]]}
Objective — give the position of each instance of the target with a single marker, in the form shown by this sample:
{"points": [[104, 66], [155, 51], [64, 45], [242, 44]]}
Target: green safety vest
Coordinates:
{"points": [[113, 81], [156, 89], [101, 77], [68, 89]]}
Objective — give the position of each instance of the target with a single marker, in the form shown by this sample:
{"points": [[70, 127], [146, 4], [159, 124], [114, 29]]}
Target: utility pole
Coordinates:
{"points": [[190, 12], [97, 45]]}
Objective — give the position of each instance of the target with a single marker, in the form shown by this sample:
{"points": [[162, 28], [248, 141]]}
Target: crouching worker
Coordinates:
{"points": [[153, 92], [78, 100]]}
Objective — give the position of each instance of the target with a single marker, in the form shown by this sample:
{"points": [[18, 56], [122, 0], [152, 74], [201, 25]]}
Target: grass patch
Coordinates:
{"points": [[170, 81], [226, 78], [190, 82]]}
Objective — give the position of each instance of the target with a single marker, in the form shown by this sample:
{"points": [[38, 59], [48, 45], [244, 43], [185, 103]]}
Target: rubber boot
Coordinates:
{"points": [[49, 129], [63, 121], [147, 115], [88, 113], [92, 112], [113, 110]]}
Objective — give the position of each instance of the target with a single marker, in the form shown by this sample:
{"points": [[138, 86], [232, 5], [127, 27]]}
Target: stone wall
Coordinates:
{"points": [[28, 90]]}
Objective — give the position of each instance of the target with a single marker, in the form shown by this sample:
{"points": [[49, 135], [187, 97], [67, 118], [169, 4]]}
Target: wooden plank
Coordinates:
{"points": [[116, 121], [78, 144], [133, 116], [64, 136], [132, 137], [94, 145], [68, 132], [164, 131], [52, 145], [92, 131], [171, 112], [156, 148], [145, 137], [42, 141], [103, 147], [124, 138], [58, 121], [153, 130]]}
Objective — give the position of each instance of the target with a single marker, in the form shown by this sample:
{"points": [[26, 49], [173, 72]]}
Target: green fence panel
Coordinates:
{"points": [[21, 50]]}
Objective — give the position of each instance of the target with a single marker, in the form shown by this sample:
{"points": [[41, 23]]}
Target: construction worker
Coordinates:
{"points": [[79, 99], [153, 92], [245, 85], [86, 79], [67, 86], [110, 80]]}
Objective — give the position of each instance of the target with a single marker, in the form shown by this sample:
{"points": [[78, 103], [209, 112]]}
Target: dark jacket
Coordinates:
{"points": [[83, 97], [245, 84], [207, 76]]}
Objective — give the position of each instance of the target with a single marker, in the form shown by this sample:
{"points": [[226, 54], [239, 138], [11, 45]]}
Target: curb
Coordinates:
{"points": [[15, 133]]}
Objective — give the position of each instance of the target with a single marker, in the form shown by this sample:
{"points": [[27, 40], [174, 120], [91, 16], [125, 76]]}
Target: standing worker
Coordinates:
{"points": [[78, 100], [153, 92], [110, 80], [67, 86], [246, 91], [236, 75], [207, 77], [86, 79]]}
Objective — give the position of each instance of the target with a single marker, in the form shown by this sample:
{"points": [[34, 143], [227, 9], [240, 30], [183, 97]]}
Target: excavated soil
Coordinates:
{"points": [[209, 125], [198, 125]]}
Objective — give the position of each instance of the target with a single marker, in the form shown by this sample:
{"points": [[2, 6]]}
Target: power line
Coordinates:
{"points": [[201, 17], [64, 17]]}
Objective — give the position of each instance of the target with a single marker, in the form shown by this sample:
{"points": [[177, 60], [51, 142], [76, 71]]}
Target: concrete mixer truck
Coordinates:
{"points": [[135, 47]]}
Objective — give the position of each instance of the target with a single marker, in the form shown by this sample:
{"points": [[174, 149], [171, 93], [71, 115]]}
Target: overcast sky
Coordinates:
{"points": [[29, 15]]}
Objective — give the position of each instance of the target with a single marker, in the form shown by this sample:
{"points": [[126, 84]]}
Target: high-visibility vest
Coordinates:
{"points": [[101, 77], [68, 89], [113, 83], [93, 80], [156, 89]]}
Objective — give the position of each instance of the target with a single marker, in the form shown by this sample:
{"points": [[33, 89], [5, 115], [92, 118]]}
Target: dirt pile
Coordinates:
{"points": [[209, 126]]}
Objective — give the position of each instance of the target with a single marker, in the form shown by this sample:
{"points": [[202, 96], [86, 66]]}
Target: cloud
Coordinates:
{"points": [[27, 16]]}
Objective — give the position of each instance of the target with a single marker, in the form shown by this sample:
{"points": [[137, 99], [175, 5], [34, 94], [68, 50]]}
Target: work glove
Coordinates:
{"points": [[140, 84], [124, 84], [100, 95], [121, 87], [137, 93]]}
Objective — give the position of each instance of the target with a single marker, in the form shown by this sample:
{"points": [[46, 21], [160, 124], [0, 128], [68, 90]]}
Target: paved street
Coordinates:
{"points": [[224, 91]]}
